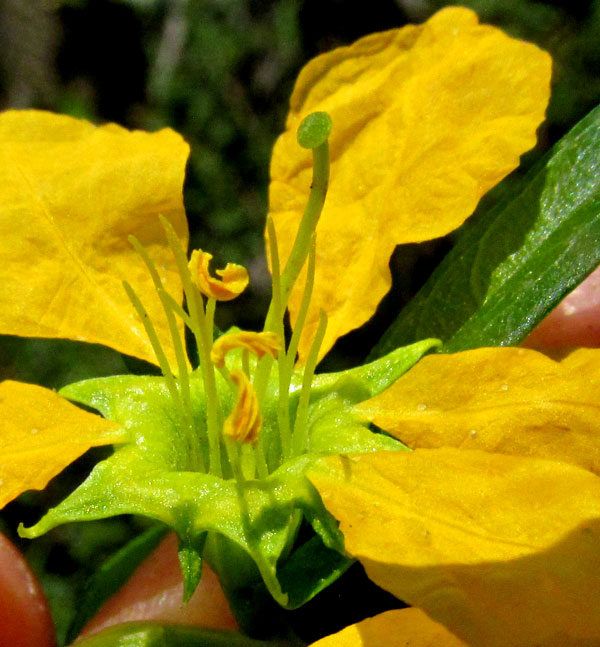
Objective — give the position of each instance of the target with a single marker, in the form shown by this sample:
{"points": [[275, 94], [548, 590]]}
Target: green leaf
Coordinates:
{"points": [[111, 576], [310, 569], [511, 267], [149, 634]]}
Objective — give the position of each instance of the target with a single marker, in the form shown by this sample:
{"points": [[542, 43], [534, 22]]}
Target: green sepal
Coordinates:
{"points": [[190, 560], [513, 265], [371, 379], [257, 516], [148, 477], [310, 569], [250, 525]]}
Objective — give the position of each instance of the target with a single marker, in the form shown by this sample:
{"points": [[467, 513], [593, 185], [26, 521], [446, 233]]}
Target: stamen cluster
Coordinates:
{"points": [[257, 435]]}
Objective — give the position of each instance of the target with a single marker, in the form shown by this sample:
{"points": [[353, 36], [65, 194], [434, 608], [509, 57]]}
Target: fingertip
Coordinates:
{"points": [[575, 322], [155, 592], [25, 619]]}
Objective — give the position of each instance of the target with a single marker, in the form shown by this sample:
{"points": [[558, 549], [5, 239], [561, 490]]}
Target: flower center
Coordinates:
{"points": [[256, 397]]}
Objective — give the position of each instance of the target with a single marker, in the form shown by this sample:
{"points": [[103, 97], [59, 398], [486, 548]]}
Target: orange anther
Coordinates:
{"points": [[258, 343], [244, 422], [233, 281]]}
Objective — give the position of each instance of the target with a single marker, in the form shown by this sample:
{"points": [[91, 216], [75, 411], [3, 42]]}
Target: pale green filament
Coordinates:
{"points": [[190, 324], [249, 461], [289, 360], [163, 362], [259, 456], [233, 454], [186, 278], [180, 312], [283, 419], [204, 343], [261, 381], [277, 319], [246, 362], [210, 319], [300, 434], [183, 377]]}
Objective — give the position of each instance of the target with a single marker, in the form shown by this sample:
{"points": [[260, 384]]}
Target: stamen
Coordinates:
{"points": [[158, 286], [284, 370], [244, 423], [204, 342], [178, 310], [234, 278], [258, 343], [163, 362], [300, 434], [210, 318], [182, 363], [191, 295], [275, 309], [286, 367]]}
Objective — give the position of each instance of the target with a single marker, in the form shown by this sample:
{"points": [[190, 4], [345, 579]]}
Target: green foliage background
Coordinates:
{"points": [[220, 72]]}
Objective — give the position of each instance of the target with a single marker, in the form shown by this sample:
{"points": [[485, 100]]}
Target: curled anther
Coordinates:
{"points": [[257, 343], [244, 422], [232, 282]]}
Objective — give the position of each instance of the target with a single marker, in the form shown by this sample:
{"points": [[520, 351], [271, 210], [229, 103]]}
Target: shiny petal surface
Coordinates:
{"points": [[504, 551], [505, 400], [41, 433], [71, 193], [426, 120], [403, 628]]}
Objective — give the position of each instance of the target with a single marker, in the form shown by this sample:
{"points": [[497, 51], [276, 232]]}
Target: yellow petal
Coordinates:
{"points": [[506, 400], [244, 422], [258, 343], [403, 628], [71, 193], [233, 281], [504, 551], [41, 433], [426, 120]]}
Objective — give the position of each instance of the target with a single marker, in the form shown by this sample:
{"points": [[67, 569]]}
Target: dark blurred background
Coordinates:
{"points": [[220, 72]]}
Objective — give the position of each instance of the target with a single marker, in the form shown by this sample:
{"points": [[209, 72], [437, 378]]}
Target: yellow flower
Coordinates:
{"points": [[490, 526]]}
